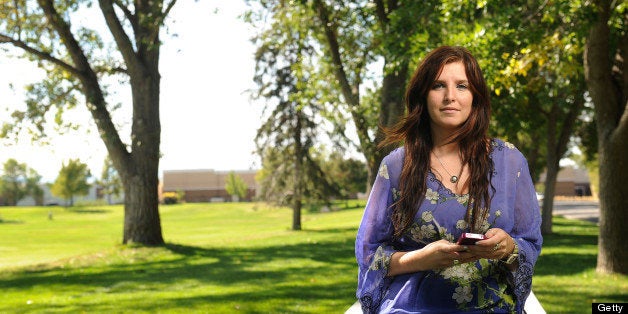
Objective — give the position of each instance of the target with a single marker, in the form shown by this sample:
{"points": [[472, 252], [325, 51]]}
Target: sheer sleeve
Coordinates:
{"points": [[373, 242], [526, 231]]}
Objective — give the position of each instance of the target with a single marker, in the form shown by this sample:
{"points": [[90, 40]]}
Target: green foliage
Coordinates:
{"points": [[110, 181], [530, 51], [170, 198], [531, 54], [71, 181], [18, 181], [350, 174], [289, 175], [350, 43], [47, 101], [235, 186]]}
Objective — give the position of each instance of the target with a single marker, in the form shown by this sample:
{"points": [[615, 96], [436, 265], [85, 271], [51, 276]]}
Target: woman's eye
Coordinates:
{"points": [[438, 86], [462, 86]]}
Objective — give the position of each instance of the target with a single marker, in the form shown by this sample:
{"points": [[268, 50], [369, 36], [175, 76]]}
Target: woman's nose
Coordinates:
{"points": [[450, 95]]}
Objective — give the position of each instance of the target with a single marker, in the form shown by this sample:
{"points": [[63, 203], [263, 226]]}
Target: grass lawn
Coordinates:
{"points": [[233, 258], [565, 280]]}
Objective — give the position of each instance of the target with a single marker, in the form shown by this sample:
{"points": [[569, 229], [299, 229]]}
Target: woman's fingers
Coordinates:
{"points": [[496, 244]]}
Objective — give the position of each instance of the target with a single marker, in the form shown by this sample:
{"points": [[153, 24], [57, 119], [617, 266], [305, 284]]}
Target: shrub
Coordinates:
{"points": [[171, 198]]}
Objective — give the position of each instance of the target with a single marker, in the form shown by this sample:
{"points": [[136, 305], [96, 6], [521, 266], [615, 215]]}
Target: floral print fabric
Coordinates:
{"points": [[480, 287]]}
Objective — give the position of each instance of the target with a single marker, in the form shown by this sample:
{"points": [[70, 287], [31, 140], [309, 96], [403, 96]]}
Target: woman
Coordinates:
{"points": [[449, 178]]}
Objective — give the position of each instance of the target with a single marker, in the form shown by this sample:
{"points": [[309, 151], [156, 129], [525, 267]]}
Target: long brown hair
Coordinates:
{"points": [[414, 131]]}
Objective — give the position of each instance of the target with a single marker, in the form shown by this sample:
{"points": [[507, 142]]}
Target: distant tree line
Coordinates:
{"points": [[19, 181]]}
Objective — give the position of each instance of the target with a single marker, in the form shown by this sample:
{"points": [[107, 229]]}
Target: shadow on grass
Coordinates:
{"points": [[87, 210], [11, 221], [332, 230], [565, 237], [564, 264], [288, 274]]}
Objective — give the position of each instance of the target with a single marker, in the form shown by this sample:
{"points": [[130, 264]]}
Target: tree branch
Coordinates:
{"points": [[169, 8], [622, 61], [81, 64], [568, 123], [160, 20], [119, 35], [334, 48], [382, 15], [43, 55], [129, 15], [95, 99]]}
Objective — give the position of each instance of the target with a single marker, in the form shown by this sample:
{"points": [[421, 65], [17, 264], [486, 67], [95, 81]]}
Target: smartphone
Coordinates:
{"points": [[469, 238]]}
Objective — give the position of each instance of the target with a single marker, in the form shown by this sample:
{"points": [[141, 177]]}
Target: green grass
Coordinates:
{"points": [[219, 258], [226, 258], [565, 280]]}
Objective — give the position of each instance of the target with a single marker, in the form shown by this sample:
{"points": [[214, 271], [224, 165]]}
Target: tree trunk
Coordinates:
{"points": [[297, 202], [556, 147], [141, 216], [548, 196], [141, 201], [391, 110], [612, 244], [552, 168], [611, 110], [296, 213]]}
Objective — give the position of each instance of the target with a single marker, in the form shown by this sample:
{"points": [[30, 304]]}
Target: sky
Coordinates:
{"points": [[208, 120]]}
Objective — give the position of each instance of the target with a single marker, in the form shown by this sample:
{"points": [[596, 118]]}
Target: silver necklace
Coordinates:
{"points": [[453, 178]]}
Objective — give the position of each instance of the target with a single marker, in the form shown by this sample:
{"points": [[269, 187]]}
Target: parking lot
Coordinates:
{"points": [[575, 209]]}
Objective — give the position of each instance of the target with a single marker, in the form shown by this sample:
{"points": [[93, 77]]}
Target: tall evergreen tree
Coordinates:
{"points": [[290, 176]]}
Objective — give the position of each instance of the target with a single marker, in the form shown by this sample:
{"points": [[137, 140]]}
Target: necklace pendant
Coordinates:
{"points": [[453, 179]]}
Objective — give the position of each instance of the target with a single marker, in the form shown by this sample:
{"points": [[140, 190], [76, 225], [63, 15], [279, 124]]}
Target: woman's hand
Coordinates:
{"points": [[436, 255], [497, 245]]}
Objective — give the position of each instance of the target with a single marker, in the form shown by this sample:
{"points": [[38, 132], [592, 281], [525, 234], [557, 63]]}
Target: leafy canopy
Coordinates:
{"points": [[72, 180]]}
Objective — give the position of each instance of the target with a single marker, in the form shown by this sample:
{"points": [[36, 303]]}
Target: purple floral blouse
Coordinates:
{"points": [[481, 287]]}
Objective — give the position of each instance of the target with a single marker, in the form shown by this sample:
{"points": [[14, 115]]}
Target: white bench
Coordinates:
{"points": [[532, 306]]}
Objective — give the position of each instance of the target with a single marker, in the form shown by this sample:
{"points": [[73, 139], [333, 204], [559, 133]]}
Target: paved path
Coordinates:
{"points": [[584, 210]]}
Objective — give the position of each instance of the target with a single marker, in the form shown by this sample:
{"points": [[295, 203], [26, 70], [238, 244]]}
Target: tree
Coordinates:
{"points": [[33, 187], [289, 175], [543, 83], [348, 173], [235, 186], [110, 180], [349, 37], [71, 181], [18, 181], [531, 55], [606, 72], [78, 62]]}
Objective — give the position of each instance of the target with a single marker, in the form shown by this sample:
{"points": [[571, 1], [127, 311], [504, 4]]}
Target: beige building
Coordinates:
{"points": [[206, 185], [571, 181]]}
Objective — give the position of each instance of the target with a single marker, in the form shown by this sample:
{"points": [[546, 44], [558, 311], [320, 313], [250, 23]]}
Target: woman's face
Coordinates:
{"points": [[449, 100]]}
